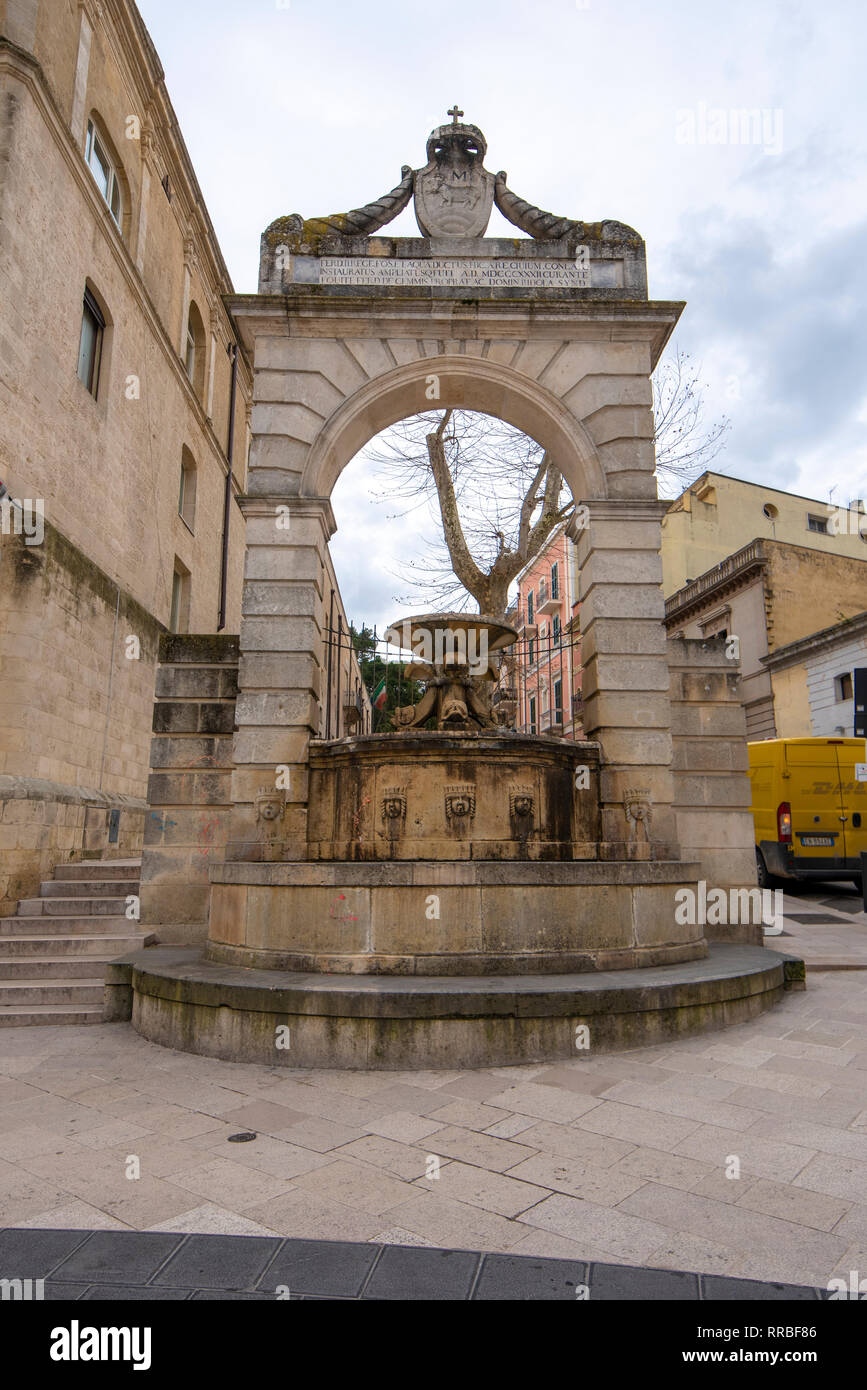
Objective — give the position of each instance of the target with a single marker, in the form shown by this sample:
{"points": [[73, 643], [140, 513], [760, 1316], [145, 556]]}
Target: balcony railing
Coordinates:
{"points": [[750, 555]]}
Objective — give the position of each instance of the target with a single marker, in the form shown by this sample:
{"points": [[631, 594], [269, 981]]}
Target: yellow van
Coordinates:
{"points": [[809, 809]]}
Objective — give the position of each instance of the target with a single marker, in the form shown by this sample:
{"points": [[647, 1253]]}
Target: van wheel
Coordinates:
{"points": [[765, 879]]}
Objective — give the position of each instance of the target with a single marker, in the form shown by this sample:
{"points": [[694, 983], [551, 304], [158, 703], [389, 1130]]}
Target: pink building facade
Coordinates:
{"points": [[547, 656]]}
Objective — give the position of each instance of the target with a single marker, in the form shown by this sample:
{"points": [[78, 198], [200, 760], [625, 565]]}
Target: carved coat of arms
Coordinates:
{"points": [[454, 193]]}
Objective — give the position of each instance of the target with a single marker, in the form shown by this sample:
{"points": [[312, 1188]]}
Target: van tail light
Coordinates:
{"points": [[784, 823]]}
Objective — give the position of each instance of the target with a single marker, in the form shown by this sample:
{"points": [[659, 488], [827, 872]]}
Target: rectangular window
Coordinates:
{"points": [[179, 619], [90, 343], [555, 627], [558, 702], [532, 714], [530, 606], [818, 524], [555, 582], [531, 651], [843, 686], [187, 490]]}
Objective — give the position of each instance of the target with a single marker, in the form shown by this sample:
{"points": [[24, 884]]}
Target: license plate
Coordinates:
{"points": [[811, 840]]}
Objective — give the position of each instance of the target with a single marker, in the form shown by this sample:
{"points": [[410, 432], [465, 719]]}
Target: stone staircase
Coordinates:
{"points": [[54, 951]]}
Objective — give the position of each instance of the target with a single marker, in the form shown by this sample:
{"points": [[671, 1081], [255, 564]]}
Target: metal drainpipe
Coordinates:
{"points": [[232, 350], [339, 659], [330, 641]]}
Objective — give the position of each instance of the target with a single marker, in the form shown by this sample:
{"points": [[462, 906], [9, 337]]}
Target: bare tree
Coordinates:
{"points": [[493, 492], [495, 495], [683, 448]]}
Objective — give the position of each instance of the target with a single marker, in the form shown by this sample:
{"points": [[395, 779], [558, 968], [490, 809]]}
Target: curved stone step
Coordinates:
{"points": [[400, 1022]]}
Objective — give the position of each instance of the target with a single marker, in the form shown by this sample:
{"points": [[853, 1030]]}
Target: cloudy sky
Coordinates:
{"points": [[612, 108]]}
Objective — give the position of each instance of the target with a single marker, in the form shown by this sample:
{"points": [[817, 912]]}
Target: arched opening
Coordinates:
{"points": [[94, 342], [194, 350], [467, 383], [455, 511], [107, 169]]}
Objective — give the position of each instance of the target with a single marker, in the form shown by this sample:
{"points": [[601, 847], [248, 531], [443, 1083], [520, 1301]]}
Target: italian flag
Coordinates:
{"points": [[378, 696]]}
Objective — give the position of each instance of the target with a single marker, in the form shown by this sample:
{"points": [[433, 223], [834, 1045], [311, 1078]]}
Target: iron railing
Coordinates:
{"points": [[365, 679]]}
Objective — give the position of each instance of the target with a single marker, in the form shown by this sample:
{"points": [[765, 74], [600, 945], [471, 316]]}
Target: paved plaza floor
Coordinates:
{"points": [[623, 1160]]}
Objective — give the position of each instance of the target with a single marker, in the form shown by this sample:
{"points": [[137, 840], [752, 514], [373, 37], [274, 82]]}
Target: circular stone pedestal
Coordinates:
{"points": [[179, 1000], [465, 918]]}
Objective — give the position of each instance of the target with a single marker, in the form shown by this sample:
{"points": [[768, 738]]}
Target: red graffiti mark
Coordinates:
{"points": [[341, 916], [206, 835], [208, 758], [357, 817]]}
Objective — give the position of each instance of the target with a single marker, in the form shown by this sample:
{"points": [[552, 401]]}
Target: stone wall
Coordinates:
{"points": [[189, 791], [711, 785], [43, 823], [76, 694], [107, 468], [74, 712]]}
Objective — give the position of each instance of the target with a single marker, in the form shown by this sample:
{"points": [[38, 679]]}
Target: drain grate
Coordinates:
{"points": [[816, 919]]}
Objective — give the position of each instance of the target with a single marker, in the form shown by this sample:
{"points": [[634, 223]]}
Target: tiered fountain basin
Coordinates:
{"points": [[436, 853]]}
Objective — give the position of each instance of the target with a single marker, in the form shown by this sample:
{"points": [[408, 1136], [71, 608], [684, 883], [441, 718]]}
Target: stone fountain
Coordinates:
{"points": [[452, 893], [464, 849]]}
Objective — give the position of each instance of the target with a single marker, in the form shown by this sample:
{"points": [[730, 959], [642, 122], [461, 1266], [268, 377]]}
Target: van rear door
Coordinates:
{"points": [[853, 796], [818, 828]]}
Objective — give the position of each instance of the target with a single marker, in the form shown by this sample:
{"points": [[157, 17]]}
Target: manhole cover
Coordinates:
{"points": [[241, 1138]]}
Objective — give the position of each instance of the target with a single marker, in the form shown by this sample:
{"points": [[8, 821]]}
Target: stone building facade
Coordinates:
{"points": [[814, 680], [716, 516], [767, 595], [116, 389]]}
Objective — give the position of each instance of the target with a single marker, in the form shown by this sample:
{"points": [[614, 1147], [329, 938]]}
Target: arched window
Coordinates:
{"points": [[187, 491], [93, 340], [90, 343], [194, 350], [106, 170]]}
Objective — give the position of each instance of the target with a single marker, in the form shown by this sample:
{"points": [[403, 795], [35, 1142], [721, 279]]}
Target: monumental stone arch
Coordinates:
{"points": [[555, 867]]}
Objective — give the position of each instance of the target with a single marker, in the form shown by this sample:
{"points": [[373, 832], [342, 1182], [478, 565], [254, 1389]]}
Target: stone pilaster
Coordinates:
{"points": [[626, 677], [283, 619]]}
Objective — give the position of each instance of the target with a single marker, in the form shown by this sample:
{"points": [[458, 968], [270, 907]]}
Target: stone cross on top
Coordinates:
{"points": [[454, 112]]}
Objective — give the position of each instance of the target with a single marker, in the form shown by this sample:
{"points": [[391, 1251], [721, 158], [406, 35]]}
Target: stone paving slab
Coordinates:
{"points": [[826, 925], [617, 1161], [116, 1265]]}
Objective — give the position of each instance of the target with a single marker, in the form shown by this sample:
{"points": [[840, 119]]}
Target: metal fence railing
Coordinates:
{"points": [[365, 678]]}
